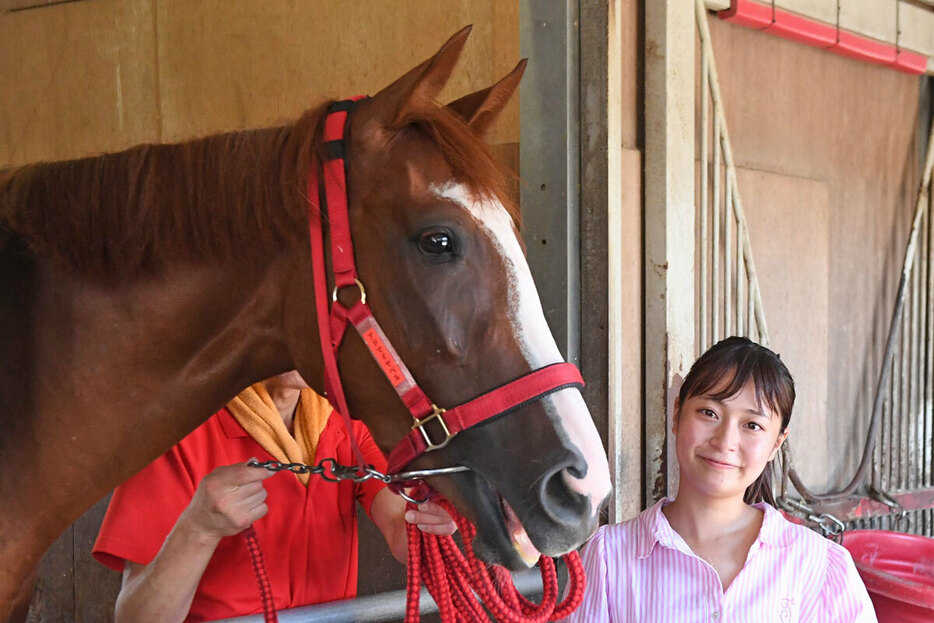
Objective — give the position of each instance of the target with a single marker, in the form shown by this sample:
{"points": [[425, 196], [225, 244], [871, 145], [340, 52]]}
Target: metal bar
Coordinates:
{"points": [[378, 608], [549, 158], [911, 480], [728, 258], [747, 246], [750, 312], [715, 227], [892, 403], [703, 314], [929, 358], [903, 391], [740, 278]]}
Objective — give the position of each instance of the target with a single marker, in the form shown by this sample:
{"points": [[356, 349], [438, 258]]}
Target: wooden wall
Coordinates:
{"points": [[86, 77]]}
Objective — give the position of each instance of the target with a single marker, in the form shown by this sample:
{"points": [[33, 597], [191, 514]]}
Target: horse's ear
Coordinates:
{"points": [[480, 109], [420, 86]]}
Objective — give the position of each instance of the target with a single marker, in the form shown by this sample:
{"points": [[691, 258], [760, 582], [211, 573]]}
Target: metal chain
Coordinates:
{"points": [[332, 471], [831, 527]]}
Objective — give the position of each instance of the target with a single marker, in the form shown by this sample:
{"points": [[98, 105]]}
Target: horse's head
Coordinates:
{"points": [[444, 270]]}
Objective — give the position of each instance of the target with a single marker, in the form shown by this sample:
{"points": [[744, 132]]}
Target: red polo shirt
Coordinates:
{"points": [[308, 537]]}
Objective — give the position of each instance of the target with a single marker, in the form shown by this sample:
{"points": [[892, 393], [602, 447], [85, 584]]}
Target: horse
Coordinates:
{"points": [[142, 290]]}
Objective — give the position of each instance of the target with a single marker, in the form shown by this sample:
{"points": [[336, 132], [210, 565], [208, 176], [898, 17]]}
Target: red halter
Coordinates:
{"points": [[333, 321]]}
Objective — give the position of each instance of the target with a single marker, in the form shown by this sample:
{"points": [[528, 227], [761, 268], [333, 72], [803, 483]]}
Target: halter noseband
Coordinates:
{"points": [[334, 318]]}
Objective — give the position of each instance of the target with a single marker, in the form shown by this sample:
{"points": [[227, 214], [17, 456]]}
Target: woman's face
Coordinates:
{"points": [[723, 445]]}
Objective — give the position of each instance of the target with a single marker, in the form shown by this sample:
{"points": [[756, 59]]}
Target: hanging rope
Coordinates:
{"points": [[455, 579]]}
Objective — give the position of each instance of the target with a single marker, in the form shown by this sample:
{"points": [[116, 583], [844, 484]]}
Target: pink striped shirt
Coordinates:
{"points": [[643, 571]]}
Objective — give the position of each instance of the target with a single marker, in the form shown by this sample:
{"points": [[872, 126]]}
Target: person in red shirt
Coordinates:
{"points": [[174, 529]]}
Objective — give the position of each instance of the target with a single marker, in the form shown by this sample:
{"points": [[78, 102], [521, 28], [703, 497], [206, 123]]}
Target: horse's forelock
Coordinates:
{"points": [[470, 158]]}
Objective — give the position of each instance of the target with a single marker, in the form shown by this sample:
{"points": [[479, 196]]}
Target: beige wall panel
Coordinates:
{"points": [[916, 28], [76, 79], [821, 10], [629, 438], [630, 84], [789, 226], [872, 18], [801, 112], [266, 62]]}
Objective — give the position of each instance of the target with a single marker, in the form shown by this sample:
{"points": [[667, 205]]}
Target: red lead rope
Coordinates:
{"points": [[456, 578], [262, 578]]}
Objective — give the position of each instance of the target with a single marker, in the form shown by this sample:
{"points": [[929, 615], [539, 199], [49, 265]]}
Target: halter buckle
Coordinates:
{"points": [[434, 415]]}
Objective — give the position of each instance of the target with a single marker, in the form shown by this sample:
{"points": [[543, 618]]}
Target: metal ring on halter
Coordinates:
{"points": [[359, 285], [408, 498], [418, 474]]}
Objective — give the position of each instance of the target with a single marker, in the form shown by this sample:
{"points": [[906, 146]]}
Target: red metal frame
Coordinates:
{"points": [[859, 507], [761, 16]]}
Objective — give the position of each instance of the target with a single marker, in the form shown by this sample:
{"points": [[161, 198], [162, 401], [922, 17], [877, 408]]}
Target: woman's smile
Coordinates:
{"points": [[718, 464]]}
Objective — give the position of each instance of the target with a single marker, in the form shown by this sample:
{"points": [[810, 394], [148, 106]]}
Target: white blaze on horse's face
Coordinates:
{"points": [[536, 341]]}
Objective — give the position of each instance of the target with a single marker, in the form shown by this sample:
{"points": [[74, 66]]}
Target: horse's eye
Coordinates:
{"points": [[436, 242]]}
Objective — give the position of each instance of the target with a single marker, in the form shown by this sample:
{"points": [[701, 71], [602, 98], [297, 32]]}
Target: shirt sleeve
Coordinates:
{"points": [[844, 598], [142, 512], [367, 490], [594, 607]]}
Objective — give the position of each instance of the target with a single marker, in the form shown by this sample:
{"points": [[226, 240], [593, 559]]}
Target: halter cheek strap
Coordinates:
{"points": [[334, 318]]}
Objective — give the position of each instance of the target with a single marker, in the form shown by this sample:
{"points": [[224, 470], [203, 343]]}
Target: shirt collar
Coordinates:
{"points": [[775, 530], [653, 527]]}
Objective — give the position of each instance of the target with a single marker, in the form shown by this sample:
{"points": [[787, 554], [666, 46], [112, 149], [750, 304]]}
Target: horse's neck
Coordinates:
{"points": [[128, 371]]}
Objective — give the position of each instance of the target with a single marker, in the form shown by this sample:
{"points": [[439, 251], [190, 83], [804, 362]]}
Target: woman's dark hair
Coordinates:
{"points": [[738, 360]]}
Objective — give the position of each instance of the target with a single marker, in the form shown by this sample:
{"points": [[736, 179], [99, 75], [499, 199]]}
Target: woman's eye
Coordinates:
{"points": [[708, 413], [436, 243], [755, 426]]}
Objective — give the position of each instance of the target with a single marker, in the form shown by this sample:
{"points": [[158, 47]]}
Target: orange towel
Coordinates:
{"points": [[254, 409]]}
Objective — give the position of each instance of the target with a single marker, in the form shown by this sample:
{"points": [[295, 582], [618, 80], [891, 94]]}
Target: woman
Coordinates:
{"points": [[720, 551]]}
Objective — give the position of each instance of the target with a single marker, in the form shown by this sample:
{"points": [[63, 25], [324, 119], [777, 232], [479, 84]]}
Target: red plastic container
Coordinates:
{"points": [[898, 570]]}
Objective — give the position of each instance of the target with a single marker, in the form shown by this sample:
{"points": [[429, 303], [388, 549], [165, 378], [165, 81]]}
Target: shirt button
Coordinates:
{"points": [[716, 615]]}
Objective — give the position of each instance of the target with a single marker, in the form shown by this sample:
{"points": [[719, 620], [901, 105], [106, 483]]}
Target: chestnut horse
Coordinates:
{"points": [[143, 290]]}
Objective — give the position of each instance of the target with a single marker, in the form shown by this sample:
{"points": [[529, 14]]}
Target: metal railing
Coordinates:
{"points": [[729, 301], [898, 492], [382, 607]]}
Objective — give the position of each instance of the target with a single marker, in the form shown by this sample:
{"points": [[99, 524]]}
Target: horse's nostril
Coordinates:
{"points": [[576, 471], [559, 500]]}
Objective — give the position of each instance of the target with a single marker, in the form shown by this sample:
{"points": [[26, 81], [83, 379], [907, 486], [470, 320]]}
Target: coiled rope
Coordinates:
{"points": [[459, 582]]}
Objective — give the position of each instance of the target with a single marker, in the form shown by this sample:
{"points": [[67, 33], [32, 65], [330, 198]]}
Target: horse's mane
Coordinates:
{"points": [[238, 195]]}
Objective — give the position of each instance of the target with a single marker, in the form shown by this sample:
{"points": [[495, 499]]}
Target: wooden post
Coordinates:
{"points": [[669, 225]]}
